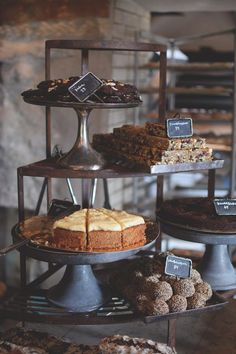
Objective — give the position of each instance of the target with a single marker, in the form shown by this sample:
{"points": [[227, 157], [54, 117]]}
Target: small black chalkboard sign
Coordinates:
{"points": [[178, 266], [225, 206], [61, 208], [179, 127], [85, 86]]}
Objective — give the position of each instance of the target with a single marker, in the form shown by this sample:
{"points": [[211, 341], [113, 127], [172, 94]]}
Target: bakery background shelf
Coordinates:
{"points": [[49, 168], [190, 90], [34, 306], [192, 67]]}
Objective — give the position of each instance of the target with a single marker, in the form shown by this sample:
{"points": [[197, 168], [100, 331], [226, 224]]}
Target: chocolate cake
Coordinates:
{"points": [[112, 91], [99, 230], [197, 213]]}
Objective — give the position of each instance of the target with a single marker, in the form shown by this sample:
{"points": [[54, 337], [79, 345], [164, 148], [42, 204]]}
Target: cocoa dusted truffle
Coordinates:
{"points": [[195, 277], [196, 301], [183, 287], [157, 308], [138, 279], [169, 279], [142, 303], [177, 303], [147, 267], [204, 289], [159, 290]]}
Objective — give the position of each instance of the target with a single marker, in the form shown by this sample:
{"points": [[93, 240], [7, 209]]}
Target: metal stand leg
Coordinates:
{"points": [[106, 195], [217, 269], [211, 183], [23, 279], [70, 292], [171, 337]]}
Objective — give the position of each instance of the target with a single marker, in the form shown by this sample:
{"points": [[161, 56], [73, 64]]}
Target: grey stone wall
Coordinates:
{"points": [[23, 125]]}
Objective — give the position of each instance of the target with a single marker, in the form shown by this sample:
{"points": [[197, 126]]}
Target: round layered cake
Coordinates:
{"points": [[198, 213], [99, 230]]}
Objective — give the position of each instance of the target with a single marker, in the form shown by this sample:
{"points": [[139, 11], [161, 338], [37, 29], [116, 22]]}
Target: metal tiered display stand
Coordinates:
{"points": [[79, 280]]}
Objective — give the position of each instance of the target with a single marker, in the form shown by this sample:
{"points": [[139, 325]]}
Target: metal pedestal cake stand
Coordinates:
{"points": [[82, 156], [215, 267], [79, 290]]}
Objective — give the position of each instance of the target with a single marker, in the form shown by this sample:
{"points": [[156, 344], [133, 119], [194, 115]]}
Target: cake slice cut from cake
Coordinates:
{"points": [[132, 227], [104, 232], [70, 232]]}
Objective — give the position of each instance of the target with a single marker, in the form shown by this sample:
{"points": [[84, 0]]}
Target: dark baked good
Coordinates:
{"points": [[169, 279], [204, 289], [177, 303], [157, 307], [112, 91], [183, 287], [21, 341], [198, 213], [11, 348], [127, 345], [196, 301], [158, 289], [195, 277]]}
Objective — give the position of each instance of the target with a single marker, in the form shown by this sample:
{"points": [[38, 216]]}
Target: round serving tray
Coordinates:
{"points": [[79, 105], [185, 232], [215, 266], [53, 255]]}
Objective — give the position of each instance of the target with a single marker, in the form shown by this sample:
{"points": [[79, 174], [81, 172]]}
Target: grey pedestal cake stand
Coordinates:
{"points": [[215, 267], [79, 290]]}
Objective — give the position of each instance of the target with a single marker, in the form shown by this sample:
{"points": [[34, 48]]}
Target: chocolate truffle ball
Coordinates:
{"points": [[204, 289], [142, 303], [177, 303], [157, 308], [183, 287], [138, 278], [159, 290], [196, 301], [195, 277], [169, 279]]}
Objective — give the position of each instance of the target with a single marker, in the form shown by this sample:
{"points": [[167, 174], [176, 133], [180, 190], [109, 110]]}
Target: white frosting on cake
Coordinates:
{"points": [[125, 219], [73, 222], [99, 221], [87, 220]]}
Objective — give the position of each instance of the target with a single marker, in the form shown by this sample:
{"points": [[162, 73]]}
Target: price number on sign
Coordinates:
{"points": [[225, 206], [179, 128], [178, 266], [85, 87]]}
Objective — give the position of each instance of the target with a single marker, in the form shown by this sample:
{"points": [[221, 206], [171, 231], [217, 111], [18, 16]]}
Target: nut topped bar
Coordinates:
{"points": [[136, 144]]}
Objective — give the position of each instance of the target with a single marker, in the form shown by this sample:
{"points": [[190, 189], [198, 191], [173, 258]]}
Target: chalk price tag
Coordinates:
{"points": [[225, 206], [85, 87], [61, 208], [178, 266], [179, 128]]}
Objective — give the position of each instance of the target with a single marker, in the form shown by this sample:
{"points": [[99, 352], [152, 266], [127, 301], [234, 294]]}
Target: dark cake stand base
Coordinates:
{"points": [[215, 267]]}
